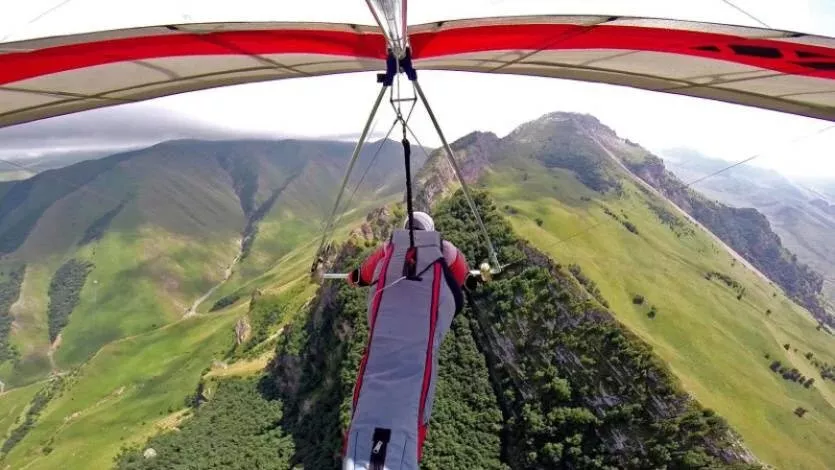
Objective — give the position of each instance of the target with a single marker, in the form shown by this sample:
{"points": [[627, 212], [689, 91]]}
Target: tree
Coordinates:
{"points": [[638, 299], [787, 346], [809, 382], [64, 293], [800, 411], [239, 425]]}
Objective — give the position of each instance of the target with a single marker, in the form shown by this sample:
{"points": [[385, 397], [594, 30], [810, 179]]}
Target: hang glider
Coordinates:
{"points": [[777, 70]]}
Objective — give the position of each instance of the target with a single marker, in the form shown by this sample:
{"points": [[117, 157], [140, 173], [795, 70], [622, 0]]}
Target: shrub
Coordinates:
{"points": [[630, 226], [225, 302]]}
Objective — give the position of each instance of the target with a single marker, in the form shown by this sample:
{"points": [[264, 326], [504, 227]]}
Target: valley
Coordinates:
{"points": [[161, 304]]}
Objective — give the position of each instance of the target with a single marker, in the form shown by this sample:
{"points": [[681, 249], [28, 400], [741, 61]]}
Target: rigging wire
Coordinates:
{"points": [[323, 224], [818, 132], [396, 107], [746, 13], [376, 154], [35, 19]]}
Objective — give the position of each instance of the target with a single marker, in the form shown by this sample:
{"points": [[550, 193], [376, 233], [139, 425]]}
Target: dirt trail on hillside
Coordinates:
{"points": [[226, 275], [52, 348]]}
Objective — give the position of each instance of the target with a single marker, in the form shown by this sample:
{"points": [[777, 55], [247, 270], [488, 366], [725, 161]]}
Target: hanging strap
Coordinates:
{"points": [[410, 266]]}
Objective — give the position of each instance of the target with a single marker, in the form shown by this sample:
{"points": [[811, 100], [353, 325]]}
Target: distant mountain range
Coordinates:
{"points": [[801, 211]]}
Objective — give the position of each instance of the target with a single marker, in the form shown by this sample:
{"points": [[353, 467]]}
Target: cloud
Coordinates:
{"points": [[120, 127]]}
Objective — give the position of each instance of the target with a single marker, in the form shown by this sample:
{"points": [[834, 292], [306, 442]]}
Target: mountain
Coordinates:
{"points": [[505, 399], [802, 216], [557, 365], [622, 336], [705, 310], [15, 169], [746, 230], [119, 246]]}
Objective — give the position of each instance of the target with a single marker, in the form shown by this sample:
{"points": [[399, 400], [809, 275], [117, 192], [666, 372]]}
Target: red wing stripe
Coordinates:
{"points": [[533, 37], [22, 65], [522, 37]]}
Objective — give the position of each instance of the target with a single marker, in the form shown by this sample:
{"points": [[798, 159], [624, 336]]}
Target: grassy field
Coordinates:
{"points": [[30, 334], [122, 392], [286, 246], [715, 343], [12, 406], [134, 387], [139, 283]]}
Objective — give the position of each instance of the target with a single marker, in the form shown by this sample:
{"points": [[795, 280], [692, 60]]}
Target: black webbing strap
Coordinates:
{"points": [[407, 157], [410, 267]]}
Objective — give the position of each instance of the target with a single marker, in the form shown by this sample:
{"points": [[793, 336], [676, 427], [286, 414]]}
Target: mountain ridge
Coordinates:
{"points": [[553, 207], [167, 219], [539, 376], [766, 251], [802, 216]]}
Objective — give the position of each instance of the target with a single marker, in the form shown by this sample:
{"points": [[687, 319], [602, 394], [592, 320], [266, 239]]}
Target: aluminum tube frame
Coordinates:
{"points": [[354, 158], [451, 158]]}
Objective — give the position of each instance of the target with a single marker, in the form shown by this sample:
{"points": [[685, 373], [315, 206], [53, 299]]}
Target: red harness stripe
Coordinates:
{"points": [[427, 371], [375, 307]]}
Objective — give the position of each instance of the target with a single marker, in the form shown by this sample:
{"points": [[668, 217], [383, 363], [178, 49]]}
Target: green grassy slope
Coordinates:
{"points": [[146, 266], [568, 197], [714, 342], [121, 393], [137, 386], [161, 226], [804, 221], [13, 405]]}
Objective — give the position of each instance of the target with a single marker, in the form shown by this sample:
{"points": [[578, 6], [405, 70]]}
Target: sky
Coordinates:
{"points": [[336, 106]]}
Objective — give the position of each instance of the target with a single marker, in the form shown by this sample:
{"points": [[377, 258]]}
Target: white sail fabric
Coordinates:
{"points": [[770, 69]]}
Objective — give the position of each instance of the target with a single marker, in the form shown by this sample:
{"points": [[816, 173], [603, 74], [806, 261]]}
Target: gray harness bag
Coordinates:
{"points": [[408, 319]]}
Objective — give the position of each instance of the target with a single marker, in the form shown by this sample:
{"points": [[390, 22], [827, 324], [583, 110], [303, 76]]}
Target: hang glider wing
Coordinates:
{"points": [[777, 70], [54, 76]]}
